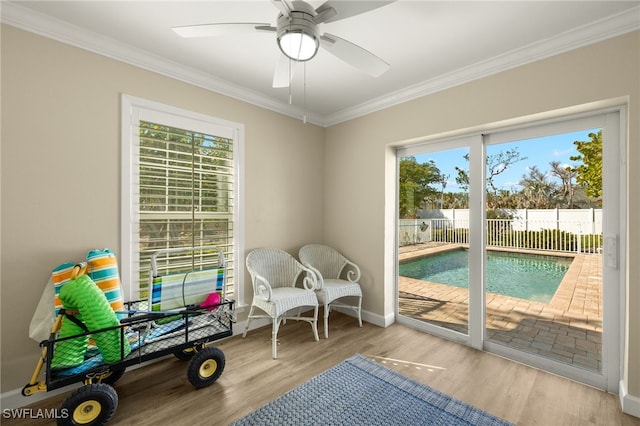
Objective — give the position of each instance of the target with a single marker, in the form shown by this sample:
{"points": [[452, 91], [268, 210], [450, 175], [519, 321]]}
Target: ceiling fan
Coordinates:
{"points": [[298, 37]]}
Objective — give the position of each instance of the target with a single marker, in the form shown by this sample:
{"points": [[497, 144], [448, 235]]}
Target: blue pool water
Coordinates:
{"points": [[523, 276]]}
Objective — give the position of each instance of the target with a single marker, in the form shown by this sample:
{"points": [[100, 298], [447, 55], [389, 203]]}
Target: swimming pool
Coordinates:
{"points": [[524, 276]]}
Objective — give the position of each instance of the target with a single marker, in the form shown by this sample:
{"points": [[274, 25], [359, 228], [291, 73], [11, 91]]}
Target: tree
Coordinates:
{"points": [[499, 163], [589, 173], [415, 184], [537, 191], [566, 175], [496, 165], [463, 176], [443, 182]]}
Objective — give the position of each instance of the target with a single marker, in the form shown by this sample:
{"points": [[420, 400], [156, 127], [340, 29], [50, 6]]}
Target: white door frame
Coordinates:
{"points": [[612, 119]]}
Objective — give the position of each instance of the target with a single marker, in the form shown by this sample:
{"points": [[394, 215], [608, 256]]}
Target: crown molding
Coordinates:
{"points": [[591, 33], [55, 29], [46, 26]]}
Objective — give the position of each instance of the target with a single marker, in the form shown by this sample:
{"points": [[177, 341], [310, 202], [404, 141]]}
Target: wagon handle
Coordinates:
{"points": [[34, 386]]}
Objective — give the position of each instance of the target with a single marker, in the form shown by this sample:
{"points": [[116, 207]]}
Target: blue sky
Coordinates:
{"points": [[539, 152]]}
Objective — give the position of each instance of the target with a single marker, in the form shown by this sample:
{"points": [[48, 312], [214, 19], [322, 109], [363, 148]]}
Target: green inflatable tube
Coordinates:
{"points": [[69, 353], [84, 296]]}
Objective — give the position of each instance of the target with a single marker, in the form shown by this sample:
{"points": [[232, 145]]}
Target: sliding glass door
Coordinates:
{"points": [[510, 241], [543, 247], [433, 269]]}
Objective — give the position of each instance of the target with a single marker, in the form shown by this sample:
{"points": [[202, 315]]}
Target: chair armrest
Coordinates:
{"points": [[313, 280], [353, 274], [261, 287]]}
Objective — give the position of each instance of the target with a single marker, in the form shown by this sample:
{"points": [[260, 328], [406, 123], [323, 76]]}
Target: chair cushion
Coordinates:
{"points": [[284, 299], [335, 289]]}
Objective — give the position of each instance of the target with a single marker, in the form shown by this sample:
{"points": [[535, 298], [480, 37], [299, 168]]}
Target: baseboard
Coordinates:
{"points": [[630, 404], [370, 317]]}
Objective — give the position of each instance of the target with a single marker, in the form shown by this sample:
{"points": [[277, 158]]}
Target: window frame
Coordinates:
{"points": [[134, 110]]}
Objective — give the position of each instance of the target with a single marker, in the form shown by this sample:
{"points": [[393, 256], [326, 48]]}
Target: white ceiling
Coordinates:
{"points": [[430, 45]]}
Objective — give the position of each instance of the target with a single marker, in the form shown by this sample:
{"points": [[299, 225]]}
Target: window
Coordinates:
{"points": [[180, 190]]}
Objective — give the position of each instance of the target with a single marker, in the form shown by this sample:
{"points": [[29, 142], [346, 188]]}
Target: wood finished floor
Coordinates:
{"points": [[159, 393]]}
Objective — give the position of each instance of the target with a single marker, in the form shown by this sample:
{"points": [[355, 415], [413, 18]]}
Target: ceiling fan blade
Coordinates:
{"points": [[284, 6], [283, 74], [354, 55], [346, 9], [213, 30]]}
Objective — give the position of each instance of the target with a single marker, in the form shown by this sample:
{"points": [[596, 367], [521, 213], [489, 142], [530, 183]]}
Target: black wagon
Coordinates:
{"points": [[185, 311]]}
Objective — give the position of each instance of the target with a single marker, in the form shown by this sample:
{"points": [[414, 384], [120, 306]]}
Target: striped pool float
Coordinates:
{"points": [[60, 276], [102, 268]]}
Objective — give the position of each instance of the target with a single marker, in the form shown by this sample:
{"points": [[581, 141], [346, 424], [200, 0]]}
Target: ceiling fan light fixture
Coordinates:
{"points": [[298, 34], [298, 45]]}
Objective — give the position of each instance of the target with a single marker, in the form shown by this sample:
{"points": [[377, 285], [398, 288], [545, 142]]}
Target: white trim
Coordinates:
{"points": [[126, 195], [444, 333], [29, 20], [55, 29], [581, 375], [630, 404], [614, 225], [477, 240], [383, 321], [591, 33]]}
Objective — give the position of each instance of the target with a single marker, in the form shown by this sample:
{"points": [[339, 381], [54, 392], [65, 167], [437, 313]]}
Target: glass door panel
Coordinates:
{"points": [[543, 247], [433, 234]]}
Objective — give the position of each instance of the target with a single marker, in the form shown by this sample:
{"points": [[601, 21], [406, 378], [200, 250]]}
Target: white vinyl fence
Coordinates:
{"points": [[578, 231]]}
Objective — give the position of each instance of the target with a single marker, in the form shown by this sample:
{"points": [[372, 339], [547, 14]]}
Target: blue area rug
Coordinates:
{"points": [[359, 391]]}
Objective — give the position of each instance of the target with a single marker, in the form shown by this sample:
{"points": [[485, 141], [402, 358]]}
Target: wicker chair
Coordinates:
{"points": [[329, 266], [274, 274]]}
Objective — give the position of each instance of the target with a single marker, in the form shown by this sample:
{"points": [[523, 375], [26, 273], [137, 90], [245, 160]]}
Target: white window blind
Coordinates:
{"points": [[185, 196], [179, 191]]}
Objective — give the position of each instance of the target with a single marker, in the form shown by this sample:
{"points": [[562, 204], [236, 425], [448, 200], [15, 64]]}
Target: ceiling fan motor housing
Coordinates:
{"points": [[302, 21]]}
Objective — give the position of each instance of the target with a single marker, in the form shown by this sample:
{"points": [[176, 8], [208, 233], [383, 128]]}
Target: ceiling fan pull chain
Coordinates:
{"points": [[304, 93], [289, 85]]}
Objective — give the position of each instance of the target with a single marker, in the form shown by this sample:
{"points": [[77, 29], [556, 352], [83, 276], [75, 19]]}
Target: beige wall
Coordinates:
{"points": [[53, 95], [61, 171], [357, 152]]}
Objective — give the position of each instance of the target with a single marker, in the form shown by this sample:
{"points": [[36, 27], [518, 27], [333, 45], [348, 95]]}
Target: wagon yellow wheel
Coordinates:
{"points": [[92, 405], [205, 367], [87, 412]]}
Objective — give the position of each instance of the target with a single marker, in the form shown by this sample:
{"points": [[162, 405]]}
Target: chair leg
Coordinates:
{"points": [[246, 324], [326, 320], [360, 311], [314, 324], [274, 338]]}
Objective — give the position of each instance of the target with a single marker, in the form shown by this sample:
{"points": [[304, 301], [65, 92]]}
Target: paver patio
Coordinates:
{"points": [[567, 329]]}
